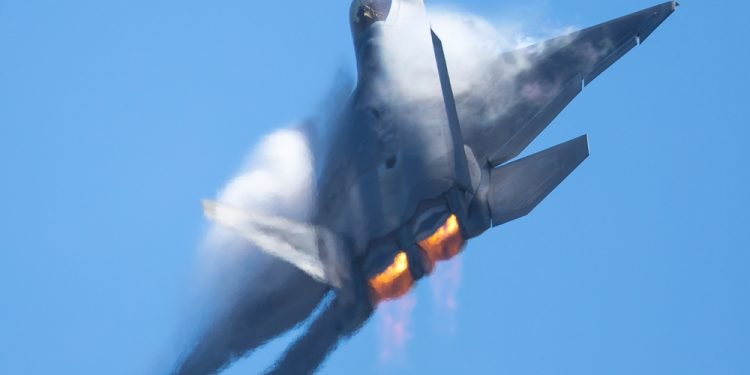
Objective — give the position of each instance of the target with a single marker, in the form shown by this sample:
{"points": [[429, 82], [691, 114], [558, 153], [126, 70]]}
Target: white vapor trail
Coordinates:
{"points": [[277, 178]]}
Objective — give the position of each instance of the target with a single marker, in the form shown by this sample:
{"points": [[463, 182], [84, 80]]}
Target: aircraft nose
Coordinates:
{"points": [[366, 12]]}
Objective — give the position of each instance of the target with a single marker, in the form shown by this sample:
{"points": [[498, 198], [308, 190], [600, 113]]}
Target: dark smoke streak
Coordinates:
{"points": [[281, 298], [335, 323]]}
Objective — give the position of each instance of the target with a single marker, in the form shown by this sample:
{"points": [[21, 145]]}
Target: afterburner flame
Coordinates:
{"points": [[394, 282], [445, 243]]}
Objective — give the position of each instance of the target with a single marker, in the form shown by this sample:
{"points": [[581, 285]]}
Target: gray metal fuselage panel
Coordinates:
{"points": [[386, 158]]}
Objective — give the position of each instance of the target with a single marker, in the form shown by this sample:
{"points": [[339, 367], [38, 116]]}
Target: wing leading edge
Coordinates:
{"points": [[548, 76], [310, 249]]}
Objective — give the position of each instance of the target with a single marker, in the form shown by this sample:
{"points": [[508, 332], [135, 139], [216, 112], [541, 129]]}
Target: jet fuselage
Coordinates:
{"points": [[390, 179]]}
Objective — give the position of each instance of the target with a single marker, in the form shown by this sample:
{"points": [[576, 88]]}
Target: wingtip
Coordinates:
{"points": [[587, 150], [583, 142]]}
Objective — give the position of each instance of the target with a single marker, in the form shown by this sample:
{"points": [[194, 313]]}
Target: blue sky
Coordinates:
{"points": [[116, 118]]}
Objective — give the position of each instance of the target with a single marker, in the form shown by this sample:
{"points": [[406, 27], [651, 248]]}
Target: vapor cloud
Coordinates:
{"points": [[250, 297]]}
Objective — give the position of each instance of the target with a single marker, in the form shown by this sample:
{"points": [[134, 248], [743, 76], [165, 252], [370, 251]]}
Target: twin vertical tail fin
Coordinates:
{"points": [[518, 187], [461, 164]]}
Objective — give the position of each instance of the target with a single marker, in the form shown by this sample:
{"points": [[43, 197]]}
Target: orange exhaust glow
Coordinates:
{"points": [[397, 280], [394, 282], [444, 244]]}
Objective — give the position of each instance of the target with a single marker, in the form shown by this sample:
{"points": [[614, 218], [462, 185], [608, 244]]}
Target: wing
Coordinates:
{"points": [[526, 89], [306, 247]]}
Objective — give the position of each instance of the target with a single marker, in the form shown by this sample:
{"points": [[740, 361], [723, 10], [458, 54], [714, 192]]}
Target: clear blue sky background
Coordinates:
{"points": [[117, 117]]}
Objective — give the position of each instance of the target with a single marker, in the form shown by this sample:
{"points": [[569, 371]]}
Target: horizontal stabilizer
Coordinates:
{"points": [[295, 243], [518, 187]]}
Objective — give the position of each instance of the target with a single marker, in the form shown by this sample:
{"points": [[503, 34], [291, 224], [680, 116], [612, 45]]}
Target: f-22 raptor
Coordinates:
{"points": [[412, 173]]}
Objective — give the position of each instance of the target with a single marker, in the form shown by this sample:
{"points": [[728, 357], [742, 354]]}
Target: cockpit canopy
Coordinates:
{"points": [[366, 12]]}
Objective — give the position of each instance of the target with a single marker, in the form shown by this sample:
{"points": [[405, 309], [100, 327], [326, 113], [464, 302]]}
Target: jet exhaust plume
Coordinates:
{"points": [[444, 284], [394, 328]]}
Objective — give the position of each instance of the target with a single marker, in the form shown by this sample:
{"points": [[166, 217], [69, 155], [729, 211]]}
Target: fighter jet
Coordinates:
{"points": [[413, 173]]}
